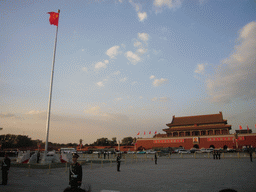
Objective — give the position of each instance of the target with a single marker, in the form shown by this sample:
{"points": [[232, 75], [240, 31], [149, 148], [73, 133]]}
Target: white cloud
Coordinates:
{"points": [[141, 97], [134, 82], [100, 84], [118, 99], [124, 79], [137, 44], [34, 112], [158, 82], [117, 73], [169, 3], [200, 68], [160, 99], [93, 110], [143, 36], [142, 51], [113, 51], [132, 57], [152, 77], [85, 69], [163, 99], [235, 76], [101, 64], [142, 16]]}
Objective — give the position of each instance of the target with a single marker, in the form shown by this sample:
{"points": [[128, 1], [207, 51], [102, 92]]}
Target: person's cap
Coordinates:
{"points": [[75, 155]]}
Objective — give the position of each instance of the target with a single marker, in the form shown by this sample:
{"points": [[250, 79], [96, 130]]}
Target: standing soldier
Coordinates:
{"points": [[250, 152], [118, 161], [155, 158], [38, 157], [75, 173], [6, 163]]}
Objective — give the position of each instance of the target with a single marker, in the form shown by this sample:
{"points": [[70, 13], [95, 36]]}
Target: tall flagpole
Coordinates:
{"points": [[50, 97]]}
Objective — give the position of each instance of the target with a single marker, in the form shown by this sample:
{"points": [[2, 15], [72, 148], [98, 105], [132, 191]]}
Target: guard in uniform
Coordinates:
{"points": [[155, 158], [6, 163], [75, 173], [118, 161]]}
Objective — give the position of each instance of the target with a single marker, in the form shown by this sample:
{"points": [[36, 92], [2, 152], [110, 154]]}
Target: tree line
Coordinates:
{"points": [[19, 141]]}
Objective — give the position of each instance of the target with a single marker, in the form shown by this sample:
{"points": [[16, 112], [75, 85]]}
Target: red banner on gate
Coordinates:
{"points": [[169, 141], [224, 138]]}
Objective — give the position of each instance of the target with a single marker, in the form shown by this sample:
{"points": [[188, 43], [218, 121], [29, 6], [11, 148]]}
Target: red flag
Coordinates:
{"points": [[138, 133], [54, 18], [149, 132], [240, 127], [155, 132], [247, 128], [144, 132]]}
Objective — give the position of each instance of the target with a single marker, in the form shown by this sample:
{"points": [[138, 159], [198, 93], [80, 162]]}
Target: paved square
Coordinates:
{"points": [[175, 174]]}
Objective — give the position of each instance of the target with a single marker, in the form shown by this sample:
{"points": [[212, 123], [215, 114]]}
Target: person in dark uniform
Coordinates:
{"points": [[214, 154], [6, 163], [38, 157], [75, 173], [118, 161], [250, 152], [155, 158]]}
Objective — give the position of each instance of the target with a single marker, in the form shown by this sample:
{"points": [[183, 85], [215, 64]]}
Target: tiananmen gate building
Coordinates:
{"points": [[202, 131]]}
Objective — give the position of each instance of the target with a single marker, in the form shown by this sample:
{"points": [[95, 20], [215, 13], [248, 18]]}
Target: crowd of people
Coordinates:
{"points": [[76, 173]]}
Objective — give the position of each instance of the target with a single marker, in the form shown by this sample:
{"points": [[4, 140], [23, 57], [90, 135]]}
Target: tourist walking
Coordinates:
{"points": [[155, 158], [214, 154], [6, 163], [75, 173], [118, 161], [218, 154]]}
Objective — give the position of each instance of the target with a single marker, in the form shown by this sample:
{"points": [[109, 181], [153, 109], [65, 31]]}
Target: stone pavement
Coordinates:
{"points": [[185, 175]]}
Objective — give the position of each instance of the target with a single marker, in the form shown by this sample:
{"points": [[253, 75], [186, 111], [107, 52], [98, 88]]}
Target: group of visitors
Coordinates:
{"points": [[216, 154], [75, 169]]}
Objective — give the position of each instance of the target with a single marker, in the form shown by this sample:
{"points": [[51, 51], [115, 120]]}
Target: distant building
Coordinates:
{"points": [[202, 131]]}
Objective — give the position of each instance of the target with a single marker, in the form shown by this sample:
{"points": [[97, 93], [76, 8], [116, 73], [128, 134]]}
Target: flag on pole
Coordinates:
{"points": [[240, 127], [247, 128], [54, 18], [149, 132], [155, 132], [138, 133], [144, 132]]}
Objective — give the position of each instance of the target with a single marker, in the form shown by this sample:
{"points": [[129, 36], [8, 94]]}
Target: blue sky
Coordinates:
{"points": [[125, 66]]}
